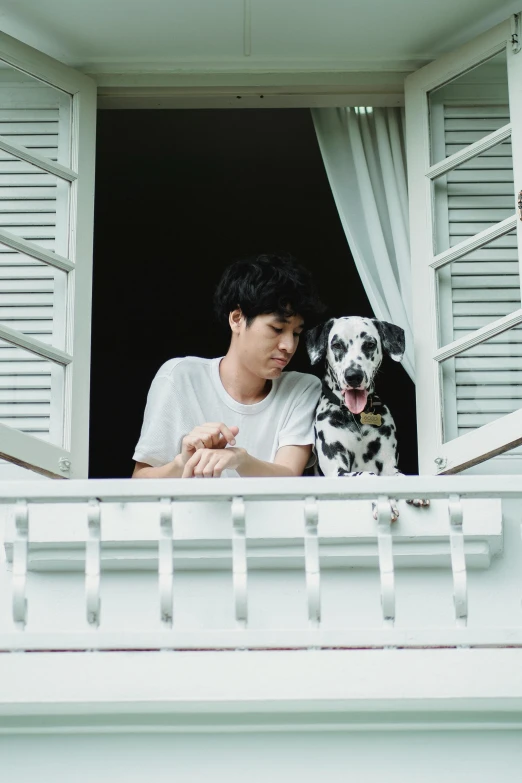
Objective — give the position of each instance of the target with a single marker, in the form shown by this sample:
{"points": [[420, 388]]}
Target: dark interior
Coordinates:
{"points": [[179, 195]]}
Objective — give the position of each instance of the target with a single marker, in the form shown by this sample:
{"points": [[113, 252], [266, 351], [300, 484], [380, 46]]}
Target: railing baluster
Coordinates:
{"points": [[20, 553], [385, 550], [312, 564], [92, 563], [239, 560], [458, 560], [165, 563]]}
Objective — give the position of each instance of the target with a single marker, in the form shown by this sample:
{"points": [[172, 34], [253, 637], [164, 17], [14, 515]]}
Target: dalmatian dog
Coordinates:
{"points": [[355, 433]]}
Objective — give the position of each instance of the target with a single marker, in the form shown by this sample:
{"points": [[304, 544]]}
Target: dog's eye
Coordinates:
{"points": [[336, 345]]}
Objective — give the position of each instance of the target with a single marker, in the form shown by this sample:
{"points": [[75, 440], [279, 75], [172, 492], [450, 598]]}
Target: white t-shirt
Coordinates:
{"points": [[188, 391]]}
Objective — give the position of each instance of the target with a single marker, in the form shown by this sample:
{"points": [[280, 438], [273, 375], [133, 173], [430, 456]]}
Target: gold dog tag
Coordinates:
{"points": [[371, 418]]}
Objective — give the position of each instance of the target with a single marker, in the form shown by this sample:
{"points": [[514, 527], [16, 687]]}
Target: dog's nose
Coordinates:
{"points": [[353, 378]]}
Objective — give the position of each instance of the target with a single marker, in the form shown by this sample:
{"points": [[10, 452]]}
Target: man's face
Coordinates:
{"points": [[268, 344]]}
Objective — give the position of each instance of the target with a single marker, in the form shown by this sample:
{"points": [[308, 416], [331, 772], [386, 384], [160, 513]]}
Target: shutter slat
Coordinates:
{"points": [[497, 286], [500, 150], [24, 410], [488, 392], [499, 363], [26, 423], [480, 188], [474, 379], [492, 309], [505, 241], [25, 367], [474, 420], [473, 202], [500, 406], [472, 269]]}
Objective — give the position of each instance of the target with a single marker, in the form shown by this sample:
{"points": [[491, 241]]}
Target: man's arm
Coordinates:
{"points": [[289, 461], [210, 463], [172, 469], [215, 435]]}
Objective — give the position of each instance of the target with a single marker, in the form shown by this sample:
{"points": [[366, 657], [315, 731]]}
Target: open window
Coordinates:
{"points": [[464, 117], [47, 137]]}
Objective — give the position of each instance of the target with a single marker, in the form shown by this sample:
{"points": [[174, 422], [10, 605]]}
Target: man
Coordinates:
{"points": [[239, 414]]}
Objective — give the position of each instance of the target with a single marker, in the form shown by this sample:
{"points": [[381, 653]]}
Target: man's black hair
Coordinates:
{"points": [[267, 283]]}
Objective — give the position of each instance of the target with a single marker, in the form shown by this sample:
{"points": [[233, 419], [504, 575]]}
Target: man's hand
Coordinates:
{"points": [[212, 435], [210, 463]]}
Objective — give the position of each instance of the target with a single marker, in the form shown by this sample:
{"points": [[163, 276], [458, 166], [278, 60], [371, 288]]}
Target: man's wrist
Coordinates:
{"points": [[177, 466], [243, 459]]}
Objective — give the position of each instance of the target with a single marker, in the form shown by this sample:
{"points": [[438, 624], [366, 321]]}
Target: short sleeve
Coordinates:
{"points": [[161, 433], [298, 429]]}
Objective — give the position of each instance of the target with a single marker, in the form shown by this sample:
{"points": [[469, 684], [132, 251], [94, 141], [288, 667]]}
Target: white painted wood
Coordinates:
{"points": [[468, 231], [257, 489], [312, 561], [334, 688], [341, 680], [165, 562], [33, 345], [215, 538], [32, 453], [22, 153], [469, 152], [477, 242], [63, 241], [476, 338], [92, 563], [477, 445], [458, 560], [386, 565], [33, 250], [239, 561]]}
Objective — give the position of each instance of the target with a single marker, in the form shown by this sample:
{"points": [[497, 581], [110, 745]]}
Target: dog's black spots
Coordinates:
{"points": [[330, 450], [374, 446], [330, 377], [369, 348], [385, 430], [363, 334], [359, 438], [379, 466], [341, 419], [350, 341], [348, 459], [338, 347]]}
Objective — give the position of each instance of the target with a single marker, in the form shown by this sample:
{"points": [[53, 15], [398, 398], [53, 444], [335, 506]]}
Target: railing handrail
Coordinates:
{"points": [[365, 488]]}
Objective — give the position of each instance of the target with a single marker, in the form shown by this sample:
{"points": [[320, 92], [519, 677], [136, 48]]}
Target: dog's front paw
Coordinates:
{"points": [[394, 511], [419, 502]]}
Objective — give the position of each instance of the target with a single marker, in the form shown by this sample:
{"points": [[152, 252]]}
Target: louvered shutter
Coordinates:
{"points": [[46, 205], [465, 237], [485, 283]]}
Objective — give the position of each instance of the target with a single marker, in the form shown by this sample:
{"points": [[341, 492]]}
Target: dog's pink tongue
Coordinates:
{"points": [[355, 399]]}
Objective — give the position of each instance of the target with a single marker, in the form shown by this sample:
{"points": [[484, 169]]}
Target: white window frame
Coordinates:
{"points": [[467, 450], [70, 460]]}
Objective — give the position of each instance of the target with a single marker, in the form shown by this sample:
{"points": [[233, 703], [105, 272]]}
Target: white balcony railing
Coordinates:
{"points": [[259, 564]]}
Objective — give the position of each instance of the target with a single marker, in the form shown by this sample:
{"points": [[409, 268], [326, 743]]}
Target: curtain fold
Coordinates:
{"points": [[364, 157]]}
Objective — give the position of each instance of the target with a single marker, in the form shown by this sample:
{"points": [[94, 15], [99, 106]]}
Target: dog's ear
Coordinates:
{"points": [[392, 339], [316, 341]]}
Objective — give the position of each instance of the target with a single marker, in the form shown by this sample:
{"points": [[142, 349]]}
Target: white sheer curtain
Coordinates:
{"points": [[364, 157]]}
